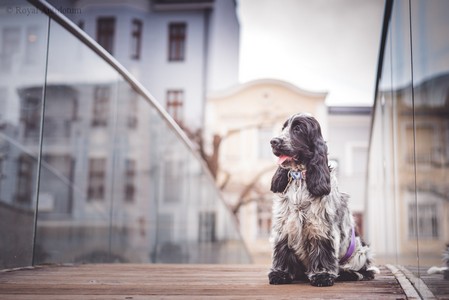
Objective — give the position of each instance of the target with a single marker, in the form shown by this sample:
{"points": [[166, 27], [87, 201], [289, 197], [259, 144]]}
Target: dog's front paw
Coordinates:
{"points": [[322, 279], [279, 277]]}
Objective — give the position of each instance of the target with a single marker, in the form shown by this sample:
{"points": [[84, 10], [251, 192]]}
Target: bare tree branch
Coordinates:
{"points": [[212, 159], [248, 189]]}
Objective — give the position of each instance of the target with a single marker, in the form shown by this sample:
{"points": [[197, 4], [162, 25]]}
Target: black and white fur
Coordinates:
{"points": [[312, 224]]}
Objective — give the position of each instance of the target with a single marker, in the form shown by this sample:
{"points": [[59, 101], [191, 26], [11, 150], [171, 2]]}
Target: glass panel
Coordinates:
{"points": [[401, 120], [112, 179], [117, 183], [408, 196], [389, 164], [23, 42], [166, 209], [431, 113], [77, 154]]}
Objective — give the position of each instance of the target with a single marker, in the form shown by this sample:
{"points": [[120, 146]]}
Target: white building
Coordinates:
{"points": [[179, 50], [348, 147]]}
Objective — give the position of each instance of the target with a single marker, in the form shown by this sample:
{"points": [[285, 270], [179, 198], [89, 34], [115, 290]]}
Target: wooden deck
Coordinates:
{"points": [[130, 281]]}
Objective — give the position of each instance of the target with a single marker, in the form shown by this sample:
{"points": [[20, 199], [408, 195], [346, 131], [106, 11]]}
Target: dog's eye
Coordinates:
{"points": [[297, 128]]}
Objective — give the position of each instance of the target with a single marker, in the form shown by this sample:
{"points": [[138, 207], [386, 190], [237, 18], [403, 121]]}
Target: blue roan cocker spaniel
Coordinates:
{"points": [[313, 234]]}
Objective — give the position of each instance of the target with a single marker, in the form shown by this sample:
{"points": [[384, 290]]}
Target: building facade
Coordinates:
{"points": [[179, 50], [347, 142]]}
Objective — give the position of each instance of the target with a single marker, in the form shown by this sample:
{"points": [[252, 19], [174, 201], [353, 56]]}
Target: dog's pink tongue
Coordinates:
{"points": [[283, 158]]}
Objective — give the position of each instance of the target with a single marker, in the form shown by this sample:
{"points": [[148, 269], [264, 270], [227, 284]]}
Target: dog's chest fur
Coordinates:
{"points": [[301, 216]]}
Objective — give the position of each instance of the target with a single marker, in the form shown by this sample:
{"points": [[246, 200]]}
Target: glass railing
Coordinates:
{"points": [[91, 169], [408, 194]]}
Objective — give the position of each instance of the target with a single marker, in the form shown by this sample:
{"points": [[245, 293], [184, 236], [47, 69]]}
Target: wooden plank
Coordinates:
{"points": [[128, 281], [434, 282], [419, 285], [406, 285]]}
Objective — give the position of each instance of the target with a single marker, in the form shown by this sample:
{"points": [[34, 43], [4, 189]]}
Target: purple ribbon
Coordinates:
{"points": [[351, 248]]}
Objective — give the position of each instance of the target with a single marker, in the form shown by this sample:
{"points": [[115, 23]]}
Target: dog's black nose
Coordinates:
{"points": [[275, 142]]}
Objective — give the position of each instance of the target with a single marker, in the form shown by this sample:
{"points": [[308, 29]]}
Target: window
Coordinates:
{"points": [[3, 103], [101, 106], [10, 47], [356, 157], [165, 226], [132, 110], [130, 175], [32, 45], [136, 39], [175, 102], [177, 41], [24, 179], [97, 177], [30, 115], [425, 223], [59, 116], [52, 199], [173, 173], [105, 33], [424, 135], [206, 227], [264, 213]]}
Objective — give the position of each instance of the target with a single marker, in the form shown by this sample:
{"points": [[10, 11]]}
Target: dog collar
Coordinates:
{"points": [[351, 248], [295, 175]]}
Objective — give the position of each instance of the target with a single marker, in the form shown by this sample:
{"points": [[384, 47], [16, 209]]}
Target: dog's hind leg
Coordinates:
{"points": [[286, 266], [363, 274], [369, 273], [349, 275]]}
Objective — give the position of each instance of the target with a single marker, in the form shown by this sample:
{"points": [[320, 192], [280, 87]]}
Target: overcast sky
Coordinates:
{"points": [[318, 45]]}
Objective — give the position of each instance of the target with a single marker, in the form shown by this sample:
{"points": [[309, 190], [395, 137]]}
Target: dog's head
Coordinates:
{"points": [[301, 146]]}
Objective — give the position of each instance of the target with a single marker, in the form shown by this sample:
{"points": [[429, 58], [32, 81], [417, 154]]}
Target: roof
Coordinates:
{"points": [[266, 81]]}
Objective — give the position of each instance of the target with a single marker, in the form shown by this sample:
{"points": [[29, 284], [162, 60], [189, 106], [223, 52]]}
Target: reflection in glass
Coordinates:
{"points": [[111, 178], [408, 196], [22, 65]]}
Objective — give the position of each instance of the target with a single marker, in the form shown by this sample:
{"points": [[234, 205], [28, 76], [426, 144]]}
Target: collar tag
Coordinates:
{"points": [[297, 175]]}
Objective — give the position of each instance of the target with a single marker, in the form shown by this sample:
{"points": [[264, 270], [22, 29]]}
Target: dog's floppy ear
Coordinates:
{"points": [[279, 181], [318, 173]]}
